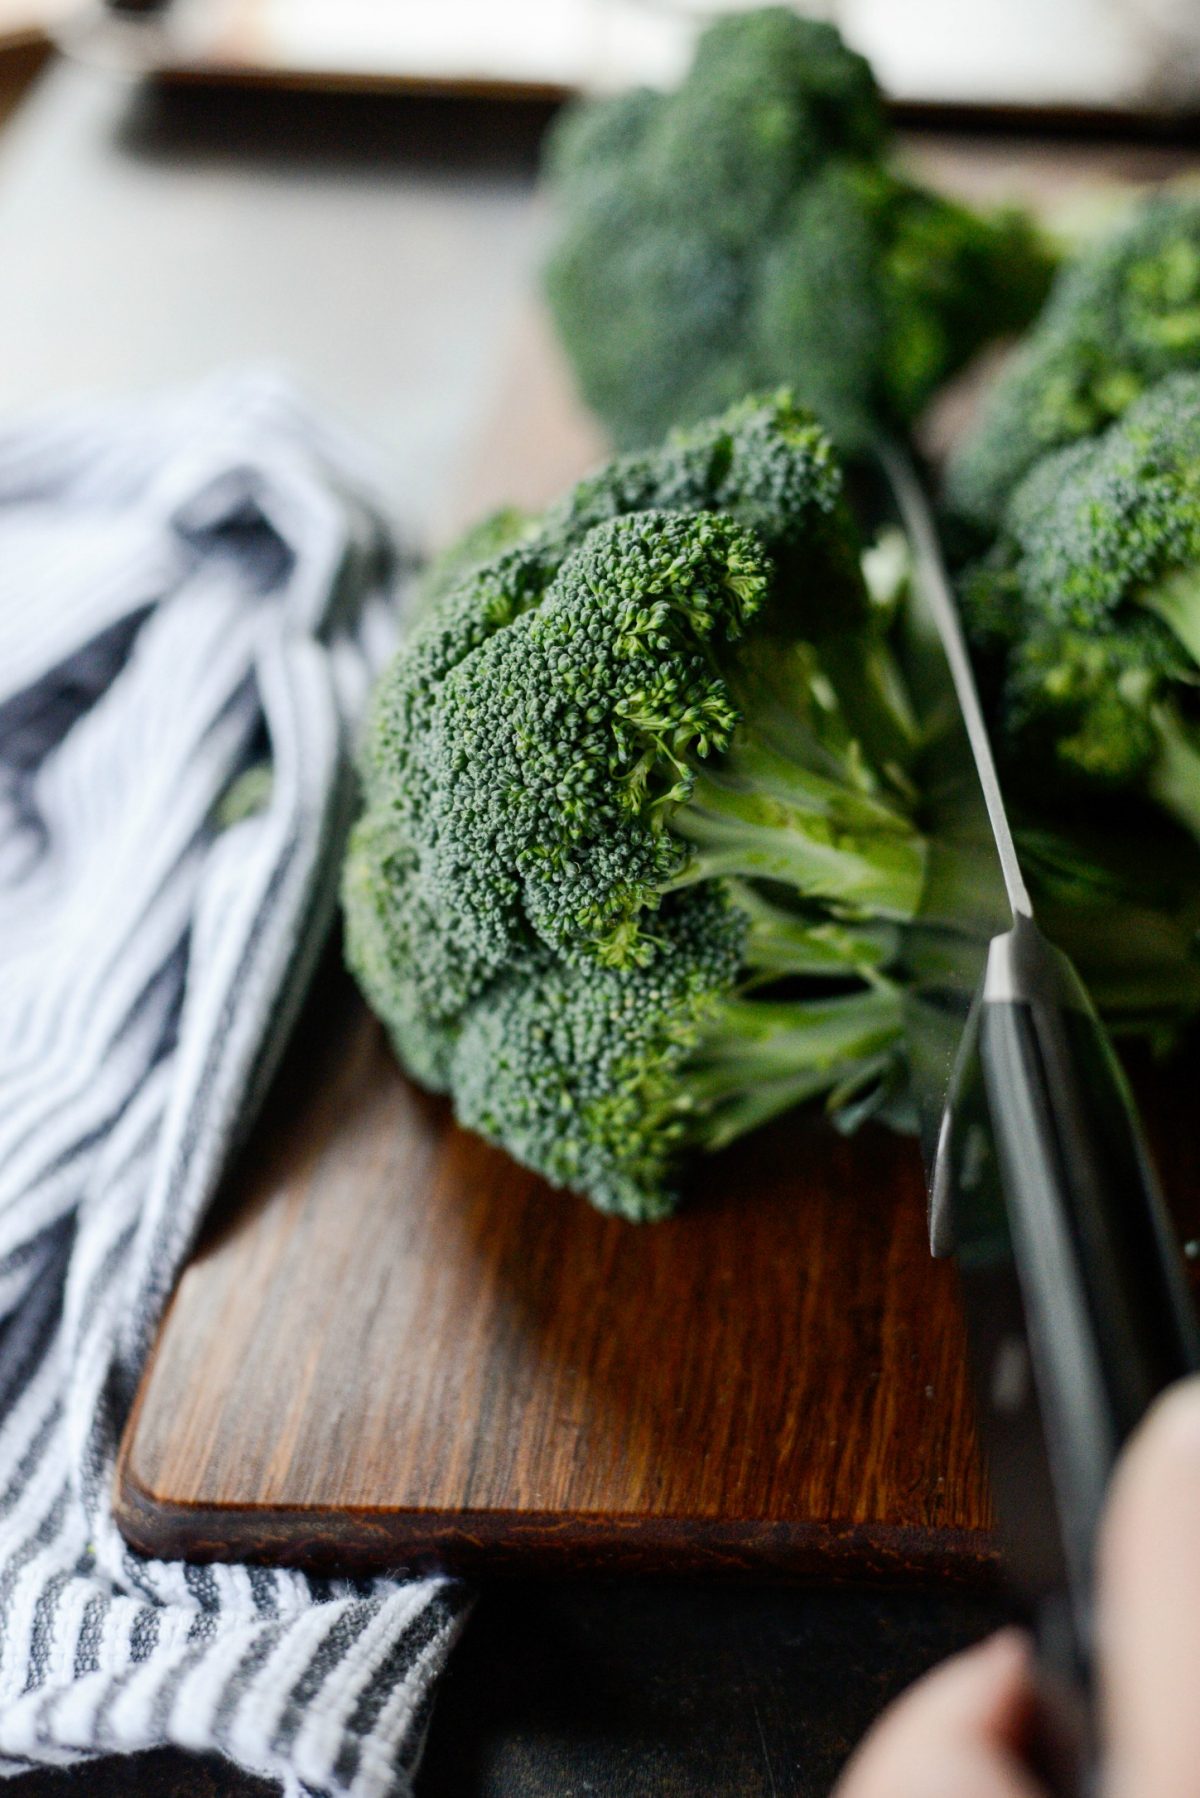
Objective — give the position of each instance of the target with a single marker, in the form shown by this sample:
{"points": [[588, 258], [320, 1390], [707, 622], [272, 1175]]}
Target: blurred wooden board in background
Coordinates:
{"points": [[1079, 61], [22, 53], [395, 1347]]}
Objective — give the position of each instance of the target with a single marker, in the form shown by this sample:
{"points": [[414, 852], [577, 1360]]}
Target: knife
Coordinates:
{"points": [[1078, 1313]]}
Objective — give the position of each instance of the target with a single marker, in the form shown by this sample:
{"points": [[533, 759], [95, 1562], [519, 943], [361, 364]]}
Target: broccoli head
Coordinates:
{"points": [[1122, 315], [659, 722], [641, 833], [1087, 607], [744, 232], [680, 675]]}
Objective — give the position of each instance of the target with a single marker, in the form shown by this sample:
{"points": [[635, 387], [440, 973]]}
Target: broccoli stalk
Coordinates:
{"points": [[763, 818], [756, 1058], [798, 796]]}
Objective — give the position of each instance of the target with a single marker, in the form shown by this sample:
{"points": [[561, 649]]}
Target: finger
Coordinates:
{"points": [[1149, 1606], [956, 1734]]}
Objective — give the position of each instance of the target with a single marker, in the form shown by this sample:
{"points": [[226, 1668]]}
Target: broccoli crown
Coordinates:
{"points": [[1122, 315], [743, 232], [765, 466], [543, 742], [611, 769], [1088, 604], [605, 1079], [566, 739]]}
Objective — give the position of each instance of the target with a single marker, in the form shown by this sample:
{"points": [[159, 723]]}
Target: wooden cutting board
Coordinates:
{"points": [[395, 1347]]}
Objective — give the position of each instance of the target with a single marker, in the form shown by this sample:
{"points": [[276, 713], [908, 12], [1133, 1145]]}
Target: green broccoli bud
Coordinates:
{"points": [[1087, 608], [1122, 315], [402, 956], [744, 232], [605, 1080]]}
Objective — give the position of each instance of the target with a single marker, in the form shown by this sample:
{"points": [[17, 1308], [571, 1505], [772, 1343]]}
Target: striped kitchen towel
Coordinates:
{"points": [[190, 588]]}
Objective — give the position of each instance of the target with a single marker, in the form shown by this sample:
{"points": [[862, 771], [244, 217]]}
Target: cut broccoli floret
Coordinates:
{"points": [[1087, 608], [604, 1080], [1122, 315], [744, 232]]}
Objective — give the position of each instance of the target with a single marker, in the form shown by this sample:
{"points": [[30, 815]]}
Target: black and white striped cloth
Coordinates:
{"points": [[188, 586]]}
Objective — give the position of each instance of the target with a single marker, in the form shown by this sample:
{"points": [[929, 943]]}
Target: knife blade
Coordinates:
{"points": [[1077, 1309]]}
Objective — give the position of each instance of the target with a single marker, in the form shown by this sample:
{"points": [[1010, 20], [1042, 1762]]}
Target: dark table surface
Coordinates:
{"points": [[634, 1691], [382, 248]]}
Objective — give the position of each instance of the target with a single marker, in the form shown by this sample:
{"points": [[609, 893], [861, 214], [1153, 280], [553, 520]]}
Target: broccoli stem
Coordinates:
{"points": [[781, 942], [765, 817], [838, 706], [1175, 773], [760, 1057], [870, 692], [1176, 600]]}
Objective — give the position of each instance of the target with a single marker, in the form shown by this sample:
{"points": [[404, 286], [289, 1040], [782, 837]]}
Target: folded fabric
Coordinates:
{"points": [[190, 588]]}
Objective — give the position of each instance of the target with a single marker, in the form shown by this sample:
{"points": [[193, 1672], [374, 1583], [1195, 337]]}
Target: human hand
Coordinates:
{"points": [[963, 1730]]}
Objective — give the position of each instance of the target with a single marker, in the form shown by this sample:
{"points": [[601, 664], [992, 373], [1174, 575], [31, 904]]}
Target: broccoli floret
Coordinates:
{"points": [[1122, 315], [605, 1080], [615, 708], [870, 295], [1087, 608], [744, 231], [623, 738], [629, 719], [768, 99], [952, 280]]}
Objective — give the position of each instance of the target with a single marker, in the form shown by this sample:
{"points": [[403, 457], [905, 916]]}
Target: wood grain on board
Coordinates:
{"points": [[396, 1347]]}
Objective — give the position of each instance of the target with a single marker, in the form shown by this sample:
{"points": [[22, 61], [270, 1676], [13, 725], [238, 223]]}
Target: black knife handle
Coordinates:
{"points": [[1077, 1307]]}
